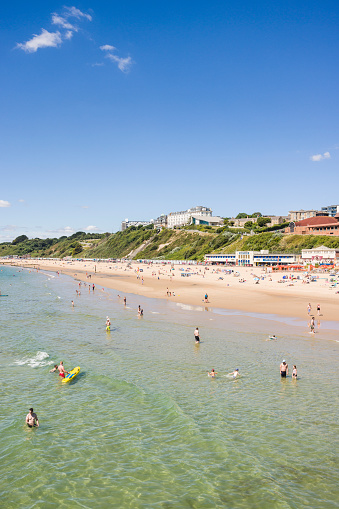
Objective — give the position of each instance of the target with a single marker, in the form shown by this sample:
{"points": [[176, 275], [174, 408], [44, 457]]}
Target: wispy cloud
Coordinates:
{"points": [[92, 228], [54, 39], [320, 157], [59, 20], [67, 23], [107, 47], [4, 203], [124, 64], [73, 12], [84, 206]]}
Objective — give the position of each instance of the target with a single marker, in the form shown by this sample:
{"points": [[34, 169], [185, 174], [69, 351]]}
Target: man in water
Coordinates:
{"points": [[235, 373], [196, 335], [283, 369], [32, 420], [61, 369]]}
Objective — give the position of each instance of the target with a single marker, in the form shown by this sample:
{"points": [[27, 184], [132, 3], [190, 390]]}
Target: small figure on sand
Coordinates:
{"points": [[283, 369], [213, 373], [318, 309], [206, 297], [32, 420], [272, 337], [196, 335], [309, 307]]}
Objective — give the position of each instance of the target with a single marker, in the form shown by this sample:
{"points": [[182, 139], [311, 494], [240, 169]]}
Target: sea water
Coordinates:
{"points": [[142, 425]]}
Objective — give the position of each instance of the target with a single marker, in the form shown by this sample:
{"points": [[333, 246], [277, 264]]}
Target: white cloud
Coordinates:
{"points": [[85, 207], [21, 201], [59, 20], [123, 63], [44, 40], [68, 34], [92, 229], [4, 203], [73, 12], [320, 157], [107, 47], [97, 64], [54, 39]]}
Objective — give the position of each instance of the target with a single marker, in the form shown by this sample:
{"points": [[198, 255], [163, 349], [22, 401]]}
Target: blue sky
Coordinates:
{"points": [[114, 110]]}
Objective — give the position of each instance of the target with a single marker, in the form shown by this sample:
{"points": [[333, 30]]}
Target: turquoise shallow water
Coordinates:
{"points": [[143, 426]]}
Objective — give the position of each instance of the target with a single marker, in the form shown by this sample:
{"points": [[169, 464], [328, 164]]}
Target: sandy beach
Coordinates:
{"points": [[251, 290]]}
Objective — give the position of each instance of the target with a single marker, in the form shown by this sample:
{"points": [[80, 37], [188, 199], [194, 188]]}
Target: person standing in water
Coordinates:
{"points": [[108, 323], [61, 369], [32, 420], [196, 335], [212, 373], [294, 372], [283, 369], [235, 373]]}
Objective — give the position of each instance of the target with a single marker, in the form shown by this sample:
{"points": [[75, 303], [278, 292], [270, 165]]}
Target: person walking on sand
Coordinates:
{"points": [[309, 307], [32, 420], [196, 335], [318, 309], [283, 369]]}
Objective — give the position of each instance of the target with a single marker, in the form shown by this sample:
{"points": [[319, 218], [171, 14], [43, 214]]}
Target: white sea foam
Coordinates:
{"points": [[35, 362]]}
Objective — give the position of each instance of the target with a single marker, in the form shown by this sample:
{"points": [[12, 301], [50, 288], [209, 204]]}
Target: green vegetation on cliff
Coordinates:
{"points": [[146, 243]]}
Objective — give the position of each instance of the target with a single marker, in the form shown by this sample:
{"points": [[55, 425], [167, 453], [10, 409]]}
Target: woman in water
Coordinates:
{"points": [[212, 373], [294, 372]]}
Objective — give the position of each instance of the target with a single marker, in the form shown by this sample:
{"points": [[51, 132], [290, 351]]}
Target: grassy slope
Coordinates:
{"points": [[168, 244]]}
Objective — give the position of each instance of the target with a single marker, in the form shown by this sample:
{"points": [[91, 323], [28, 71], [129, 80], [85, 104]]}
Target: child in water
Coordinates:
{"points": [[212, 373], [235, 373], [294, 372]]}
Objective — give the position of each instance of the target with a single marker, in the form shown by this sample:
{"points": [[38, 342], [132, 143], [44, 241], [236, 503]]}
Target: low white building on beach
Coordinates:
{"points": [[321, 255], [252, 258]]}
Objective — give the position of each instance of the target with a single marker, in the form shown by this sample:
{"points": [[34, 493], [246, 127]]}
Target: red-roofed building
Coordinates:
{"points": [[319, 225]]}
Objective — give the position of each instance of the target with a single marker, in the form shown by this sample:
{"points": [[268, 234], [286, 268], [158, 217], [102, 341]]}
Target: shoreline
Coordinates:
{"points": [[225, 291]]}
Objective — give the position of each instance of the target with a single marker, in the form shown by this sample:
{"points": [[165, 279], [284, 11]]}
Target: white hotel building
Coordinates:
{"points": [[184, 217]]}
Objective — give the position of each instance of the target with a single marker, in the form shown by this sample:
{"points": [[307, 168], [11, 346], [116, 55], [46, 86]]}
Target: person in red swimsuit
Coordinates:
{"points": [[61, 369]]}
